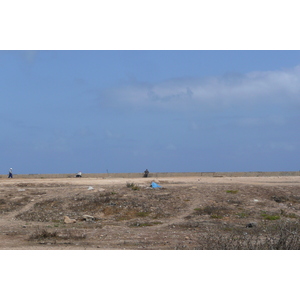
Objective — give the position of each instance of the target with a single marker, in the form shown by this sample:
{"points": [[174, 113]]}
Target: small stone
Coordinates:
{"points": [[88, 218], [251, 225], [67, 220]]}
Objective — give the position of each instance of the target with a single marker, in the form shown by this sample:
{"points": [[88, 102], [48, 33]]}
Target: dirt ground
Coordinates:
{"points": [[124, 213]]}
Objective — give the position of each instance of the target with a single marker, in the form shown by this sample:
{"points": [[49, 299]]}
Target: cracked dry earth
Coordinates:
{"points": [[129, 214]]}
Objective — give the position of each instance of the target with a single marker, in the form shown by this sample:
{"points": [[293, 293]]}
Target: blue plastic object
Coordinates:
{"points": [[155, 185]]}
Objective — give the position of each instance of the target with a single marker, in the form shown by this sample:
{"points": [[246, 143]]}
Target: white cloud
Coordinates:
{"points": [[215, 92]]}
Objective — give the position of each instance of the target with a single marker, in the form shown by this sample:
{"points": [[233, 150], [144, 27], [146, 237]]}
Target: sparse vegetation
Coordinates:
{"points": [[232, 191], [142, 214], [242, 215], [282, 236], [215, 212], [268, 216], [133, 186], [42, 234]]}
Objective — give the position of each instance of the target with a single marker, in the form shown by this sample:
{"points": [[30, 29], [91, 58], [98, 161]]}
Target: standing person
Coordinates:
{"points": [[146, 173], [10, 174]]}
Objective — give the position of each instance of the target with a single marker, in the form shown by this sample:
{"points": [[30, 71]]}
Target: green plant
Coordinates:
{"points": [[231, 191], [242, 215], [271, 217], [216, 216], [142, 214]]}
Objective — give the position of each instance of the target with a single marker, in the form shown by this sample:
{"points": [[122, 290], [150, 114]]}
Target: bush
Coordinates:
{"points": [[285, 235], [132, 186]]}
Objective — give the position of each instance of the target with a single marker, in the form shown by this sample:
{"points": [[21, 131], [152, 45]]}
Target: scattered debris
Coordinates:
{"points": [[88, 218], [155, 185], [21, 190], [90, 188]]}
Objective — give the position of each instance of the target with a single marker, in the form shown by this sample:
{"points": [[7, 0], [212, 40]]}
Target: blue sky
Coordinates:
{"points": [[168, 111]]}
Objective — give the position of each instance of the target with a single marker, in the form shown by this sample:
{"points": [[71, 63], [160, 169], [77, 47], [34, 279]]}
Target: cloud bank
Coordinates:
{"points": [[272, 87]]}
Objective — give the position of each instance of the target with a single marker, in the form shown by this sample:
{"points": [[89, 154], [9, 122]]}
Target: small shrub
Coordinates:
{"points": [[288, 215], [215, 212], [216, 216], [231, 191], [242, 215], [142, 214], [132, 185], [43, 234], [270, 217]]}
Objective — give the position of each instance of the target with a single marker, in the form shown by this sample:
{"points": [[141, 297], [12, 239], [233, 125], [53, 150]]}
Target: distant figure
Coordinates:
{"points": [[10, 174], [79, 174], [146, 173]]}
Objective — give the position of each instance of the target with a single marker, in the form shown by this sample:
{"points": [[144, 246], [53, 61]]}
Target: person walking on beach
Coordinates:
{"points": [[10, 174]]}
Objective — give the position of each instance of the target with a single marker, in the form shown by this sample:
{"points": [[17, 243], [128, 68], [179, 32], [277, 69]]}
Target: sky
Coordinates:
{"points": [[115, 111]]}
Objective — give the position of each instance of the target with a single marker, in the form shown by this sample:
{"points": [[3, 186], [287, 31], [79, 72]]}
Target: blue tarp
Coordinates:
{"points": [[155, 185]]}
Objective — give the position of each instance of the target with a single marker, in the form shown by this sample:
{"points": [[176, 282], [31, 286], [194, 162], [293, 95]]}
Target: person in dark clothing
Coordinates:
{"points": [[146, 173], [10, 174]]}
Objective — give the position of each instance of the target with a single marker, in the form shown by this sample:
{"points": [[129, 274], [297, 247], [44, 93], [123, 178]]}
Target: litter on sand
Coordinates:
{"points": [[155, 185], [90, 188]]}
